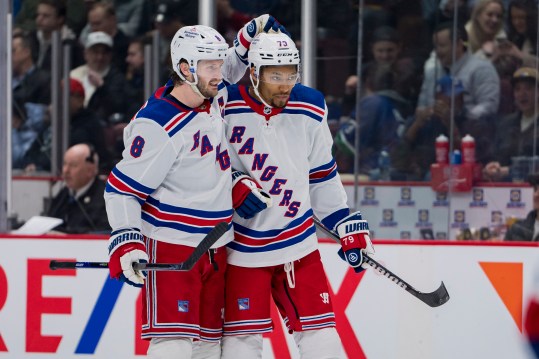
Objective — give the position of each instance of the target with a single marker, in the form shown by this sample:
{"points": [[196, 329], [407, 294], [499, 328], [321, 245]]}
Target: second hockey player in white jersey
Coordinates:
{"points": [[278, 135]]}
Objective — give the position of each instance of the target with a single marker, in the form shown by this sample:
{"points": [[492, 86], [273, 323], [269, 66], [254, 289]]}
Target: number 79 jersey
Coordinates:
{"points": [[288, 152]]}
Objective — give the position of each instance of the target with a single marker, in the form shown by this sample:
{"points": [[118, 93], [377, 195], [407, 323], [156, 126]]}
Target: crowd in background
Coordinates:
{"points": [[415, 84]]}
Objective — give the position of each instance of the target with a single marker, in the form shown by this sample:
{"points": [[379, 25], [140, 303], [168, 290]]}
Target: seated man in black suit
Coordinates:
{"points": [[80, 203]]}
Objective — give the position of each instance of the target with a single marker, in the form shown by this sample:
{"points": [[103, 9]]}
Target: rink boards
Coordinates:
{"points": [[83, 314]]}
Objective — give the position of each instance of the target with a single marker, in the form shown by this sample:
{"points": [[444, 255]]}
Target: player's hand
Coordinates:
{"points": [[125, 248], [263, 23], [354, 234], [248, 198]]}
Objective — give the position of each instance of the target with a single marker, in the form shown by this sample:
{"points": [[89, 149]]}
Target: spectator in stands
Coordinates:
{"points": [[515, 132], [382, 114], [478, 77], [485, 25], [386, 50], [102, 17], [84, 127], [135, 75], [22, 135], [80, 204], [103, 82], [30, 84], [25, 19], [411, 159], [527, 229], [170, 16], [521, 40], [505, 66], [50, 17], [229, 20], [445, 12]]}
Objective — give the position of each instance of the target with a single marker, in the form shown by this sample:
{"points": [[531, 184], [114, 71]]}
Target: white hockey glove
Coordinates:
{"points": [[263, 23], [353, 231], [248, 198], [126, 247]]}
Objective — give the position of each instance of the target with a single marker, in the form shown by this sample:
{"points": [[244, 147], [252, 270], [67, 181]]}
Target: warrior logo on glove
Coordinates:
{"points": [[353, 231]]}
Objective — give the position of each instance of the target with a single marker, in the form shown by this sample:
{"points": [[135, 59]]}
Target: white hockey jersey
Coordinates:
{"points": [[288, 152], [174, 180]]}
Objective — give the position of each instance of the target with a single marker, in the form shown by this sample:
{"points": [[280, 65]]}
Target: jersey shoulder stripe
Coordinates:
{"points": [[169, 115], [306, 101], [120, 183], [249, 240], [323, 173]]}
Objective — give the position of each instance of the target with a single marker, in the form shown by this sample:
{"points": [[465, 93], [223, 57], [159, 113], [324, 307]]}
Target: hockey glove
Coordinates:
{"points": [[248, 198], [125, 248], [263, 23], [354, 234]]}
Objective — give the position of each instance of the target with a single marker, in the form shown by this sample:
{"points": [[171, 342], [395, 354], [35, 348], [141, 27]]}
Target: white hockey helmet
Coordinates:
{"points": [[275, 49], [195, 43]]}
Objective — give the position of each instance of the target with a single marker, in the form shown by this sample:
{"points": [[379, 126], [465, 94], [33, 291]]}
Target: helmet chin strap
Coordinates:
{"points": [[255, 89], [193, 84]]}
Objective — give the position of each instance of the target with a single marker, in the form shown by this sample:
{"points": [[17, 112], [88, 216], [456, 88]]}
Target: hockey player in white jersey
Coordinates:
{"points": [[173, 185], [278, 135]]}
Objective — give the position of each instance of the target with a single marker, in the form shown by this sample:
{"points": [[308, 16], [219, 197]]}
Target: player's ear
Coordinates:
{"points": [[252, 72], [184, 69]]}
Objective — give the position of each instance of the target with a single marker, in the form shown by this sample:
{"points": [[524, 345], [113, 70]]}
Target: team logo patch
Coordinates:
{"points": [[459, 220], [441, 200], [406, 197], [478, 198], [406, 235], [496, 217], [183, 306], [243, 303], [423, 219], [515, 199], [267, 110], [387, 218], [369, 197]]}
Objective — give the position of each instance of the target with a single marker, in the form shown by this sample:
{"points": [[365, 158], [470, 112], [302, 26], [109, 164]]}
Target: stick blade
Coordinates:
{"points": [[434, 299]]}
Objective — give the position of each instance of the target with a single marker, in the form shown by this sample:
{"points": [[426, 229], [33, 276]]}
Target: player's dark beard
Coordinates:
{"points": [[279, 103]]}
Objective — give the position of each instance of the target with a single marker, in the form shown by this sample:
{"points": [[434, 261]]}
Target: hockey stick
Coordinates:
{"points": [[434, 299], [188, 264]]}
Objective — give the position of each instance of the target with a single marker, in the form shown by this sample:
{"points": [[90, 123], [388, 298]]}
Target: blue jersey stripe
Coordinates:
{"points": [[273, 246], [191, 212], [323, 179], [272, 232]]}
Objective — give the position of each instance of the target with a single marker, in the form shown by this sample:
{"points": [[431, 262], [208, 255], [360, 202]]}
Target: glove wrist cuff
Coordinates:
{"points": [[123, 237]]}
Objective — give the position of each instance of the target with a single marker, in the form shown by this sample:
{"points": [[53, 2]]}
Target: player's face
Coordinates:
{"points": [[209, 77], [276, 83]]}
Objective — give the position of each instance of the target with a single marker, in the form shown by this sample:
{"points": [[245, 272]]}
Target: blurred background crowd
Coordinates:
{"points": [[425, 68], [428, 67]]}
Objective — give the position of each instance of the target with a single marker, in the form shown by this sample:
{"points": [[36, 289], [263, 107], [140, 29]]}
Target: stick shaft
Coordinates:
{"points": [[433, 299], [204, 245]]}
